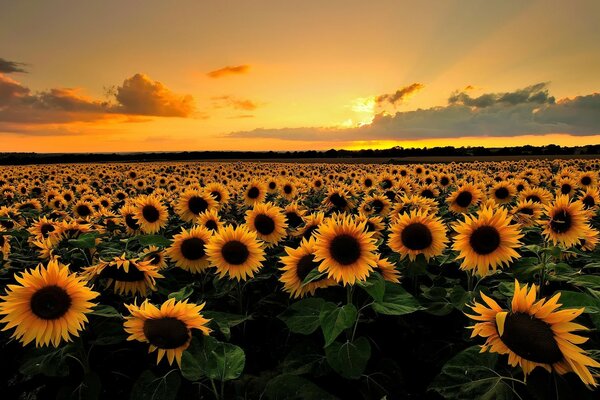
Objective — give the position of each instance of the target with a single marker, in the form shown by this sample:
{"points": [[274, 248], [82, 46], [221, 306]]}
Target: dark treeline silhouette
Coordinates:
{"points": [[394, 152]]}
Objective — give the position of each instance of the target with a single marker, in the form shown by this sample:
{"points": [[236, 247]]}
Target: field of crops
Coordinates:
{"points": [[300, 281]]}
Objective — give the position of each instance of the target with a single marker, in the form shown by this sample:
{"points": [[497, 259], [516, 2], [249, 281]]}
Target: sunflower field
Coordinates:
{"points": [[250, 280]]}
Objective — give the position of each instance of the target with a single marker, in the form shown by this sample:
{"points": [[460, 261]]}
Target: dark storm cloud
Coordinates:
{"points": [[399, 95], [8, 67], [528, 111]]}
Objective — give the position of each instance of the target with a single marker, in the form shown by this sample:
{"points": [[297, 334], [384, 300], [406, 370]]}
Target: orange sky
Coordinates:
{"points": [[157, 76]]}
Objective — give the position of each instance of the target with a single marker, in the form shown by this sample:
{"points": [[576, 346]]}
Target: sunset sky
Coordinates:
{"points": [[287, 75]]}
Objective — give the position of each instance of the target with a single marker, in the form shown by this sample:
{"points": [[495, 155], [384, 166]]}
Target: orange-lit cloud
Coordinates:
{"points": [[137, 96], [228, 70], [527, 111], [396, 98], [234, 102]]}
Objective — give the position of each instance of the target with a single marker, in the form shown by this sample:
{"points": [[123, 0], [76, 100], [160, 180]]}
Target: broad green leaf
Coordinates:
{"points": [[47, 361], [396, 301], [334, 322], [589, 281], [85, 241], [313, 275], [182, 293], [153, 240], [150, 387], [216, 360], [349, 359], [103, 310], [224, 321], [303, 316], [374, 286], [294, 387]]}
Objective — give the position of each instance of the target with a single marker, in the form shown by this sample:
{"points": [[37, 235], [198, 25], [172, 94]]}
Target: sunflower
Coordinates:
{"points": [[168, 328], [48, 304], [587, 179], [297, 264], [417, 233], [465, 196], [150, 214], [194, 202], [534, 334], [373, 224], [346, 251], [566, 186], [219, 192], [128, 216], [388, 270], [268, 221], [255, 192], [312, 223], [536, 194], [235, 252], [289, 189], [42, 228], [526, 213], [338, 199], [486, 242], [154, 256], [126, 275], [189, 249], [376, 205], [4, 245], [294, 215], [502, 192], [210, 220], [590, 199], [567, 222]]}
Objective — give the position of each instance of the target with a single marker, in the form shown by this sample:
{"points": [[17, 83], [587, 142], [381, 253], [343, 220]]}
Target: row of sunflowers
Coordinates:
{"points": [[308, 281]]}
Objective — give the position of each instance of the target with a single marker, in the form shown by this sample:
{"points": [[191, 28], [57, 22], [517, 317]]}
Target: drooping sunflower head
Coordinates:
{"points": [[297, 264], [167, 329], [417, 233], [189, 249], [125, 274], [268, 221], [155, 256], [235, 252], [487, 241], [566, 221], [345, 250], [534, 333], [194, 202], [47, 305]]}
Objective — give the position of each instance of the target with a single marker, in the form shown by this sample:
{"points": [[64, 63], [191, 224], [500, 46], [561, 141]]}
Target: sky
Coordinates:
{"points": [[297, 75]]}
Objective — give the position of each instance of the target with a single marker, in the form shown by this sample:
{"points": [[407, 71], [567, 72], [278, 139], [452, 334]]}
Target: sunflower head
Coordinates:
{"points": [[417, 233]]}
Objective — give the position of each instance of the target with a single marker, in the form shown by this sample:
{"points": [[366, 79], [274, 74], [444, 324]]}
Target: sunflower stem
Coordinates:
{"points": [[349, 290], [214, 388]]}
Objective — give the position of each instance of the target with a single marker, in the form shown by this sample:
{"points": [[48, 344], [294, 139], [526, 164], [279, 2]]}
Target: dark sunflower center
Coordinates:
{"points": [[166, 333], [427, 194], [305, 265], [390, 194], [83, 210], [287, 189], [520, 187], [131, 222], [264, 224], [119, 274], [193, 248], [155, 259], [150, 213], [211, 224], [197, 204], [464, 199], [561, 222], [531, 338], [416, 236], [253, 193], [368, 182], [309, 231], [502, 193], [345, 249], [50, 302], [565, 189], [272, 185], [293, 219], [370, 226], [485, 240], [377, 205], [386, 184], [46, 229], [216, 195], [235, 252], [444, 181], [588, 201], [8, 224], [527, 211], [2, 241], [586, 180], [338, 200], [534, 198]]}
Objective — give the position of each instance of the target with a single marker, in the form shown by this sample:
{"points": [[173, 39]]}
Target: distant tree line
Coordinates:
{"points": [[394, 152]]}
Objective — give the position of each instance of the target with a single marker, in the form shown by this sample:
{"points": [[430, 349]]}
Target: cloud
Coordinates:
{"points": [[235, 103], [137, 96], [8, 67], [398, 96], [141, 95], [228, 70], [527, 111]]}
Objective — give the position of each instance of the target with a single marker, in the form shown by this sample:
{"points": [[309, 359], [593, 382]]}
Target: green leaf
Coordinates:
{"points": [[153, 240], [190, 368], [182, 293], [102, 310], [577, 300], [225, 321], [303, 316], [284, 387], [333, 322], [396, 301], [150, 387], [216, 360], [374, 286], [85, 241], [47, 361], [349, 359], [313, 275], [589, 281], [470, 375]]}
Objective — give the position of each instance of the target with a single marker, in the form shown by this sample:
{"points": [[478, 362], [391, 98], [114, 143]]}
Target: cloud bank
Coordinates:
{"points": [[528, 111]]}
